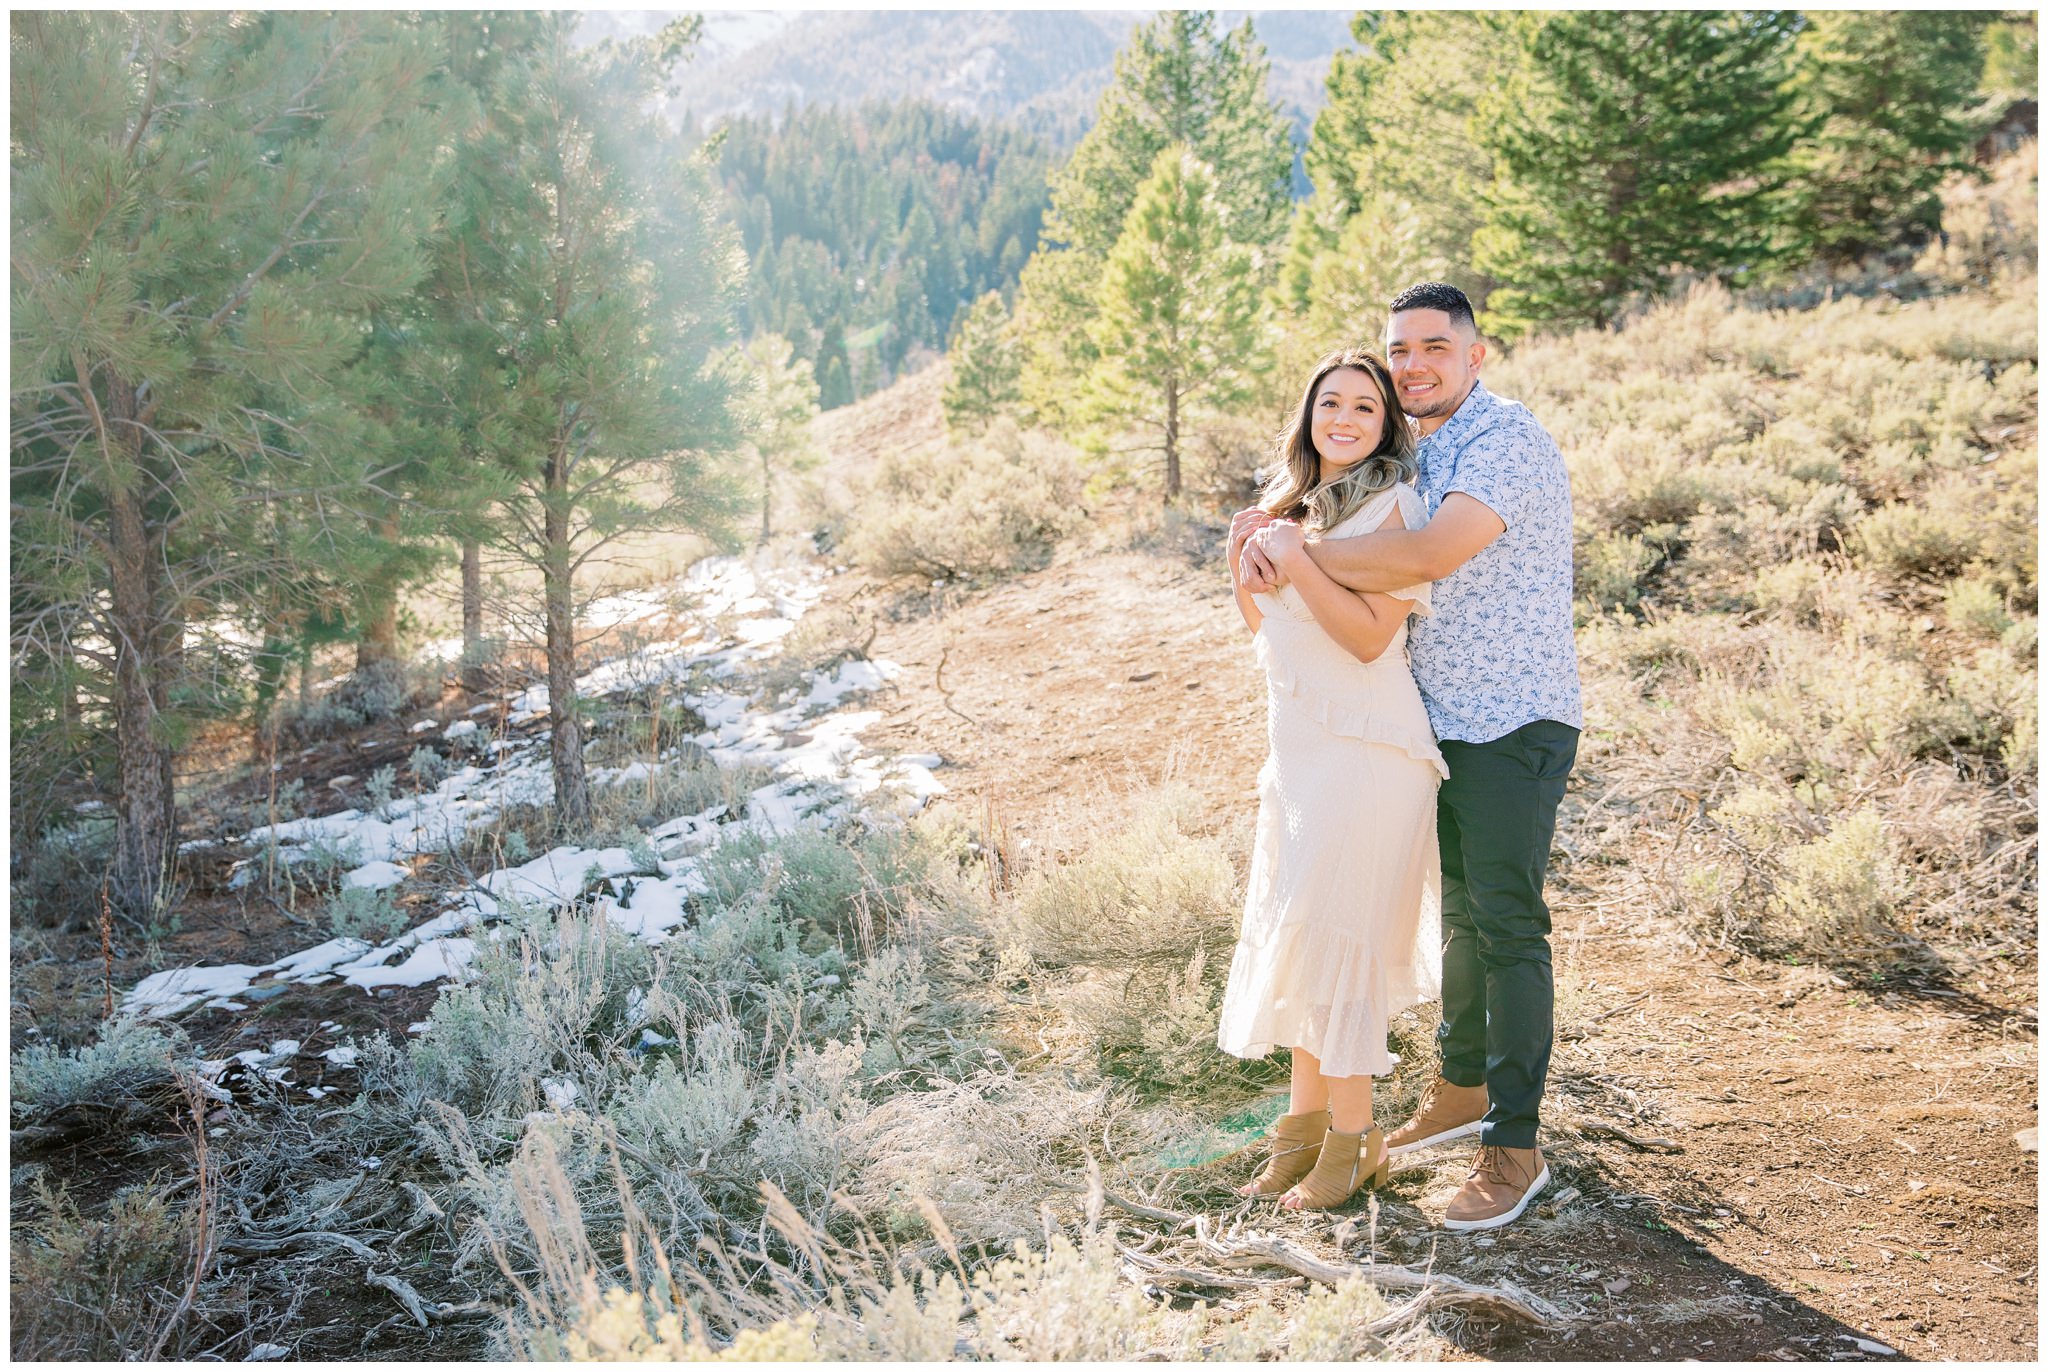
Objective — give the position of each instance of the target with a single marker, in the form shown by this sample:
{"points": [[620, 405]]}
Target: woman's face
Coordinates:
{"points": [[1347, 419]]}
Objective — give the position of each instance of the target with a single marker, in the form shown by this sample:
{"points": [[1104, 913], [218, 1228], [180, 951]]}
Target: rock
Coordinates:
{"points": [[1615, 1287], [263, 993], [2028, 1140], [1869, 1346], [1143, 676]]}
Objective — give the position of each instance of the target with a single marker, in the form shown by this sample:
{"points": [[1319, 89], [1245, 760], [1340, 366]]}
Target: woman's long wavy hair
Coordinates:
{"points": [[1294, 490]]}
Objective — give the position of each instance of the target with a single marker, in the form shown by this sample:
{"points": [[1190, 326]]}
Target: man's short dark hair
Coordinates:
{"points": [[1437, 295]]}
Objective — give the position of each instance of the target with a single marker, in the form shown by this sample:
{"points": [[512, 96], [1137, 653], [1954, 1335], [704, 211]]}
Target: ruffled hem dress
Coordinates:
{"points": [[1342, 914]]}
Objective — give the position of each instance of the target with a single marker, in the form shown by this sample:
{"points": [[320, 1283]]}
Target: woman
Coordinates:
{"points": [[1340, 926]]}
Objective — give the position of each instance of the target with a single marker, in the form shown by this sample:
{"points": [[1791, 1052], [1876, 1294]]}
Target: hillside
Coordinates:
{"points": [[1040, 69]]}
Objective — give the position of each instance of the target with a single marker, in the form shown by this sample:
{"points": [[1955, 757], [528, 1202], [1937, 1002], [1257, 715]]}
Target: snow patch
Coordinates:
{"points": [[377, 876]]}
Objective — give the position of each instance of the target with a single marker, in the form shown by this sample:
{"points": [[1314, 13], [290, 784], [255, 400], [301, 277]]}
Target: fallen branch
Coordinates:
{"points": [[1610, 1131], [407, 1297], [1195, 1276], [1149, 1212], [1275, 1252], [256, 1248]]}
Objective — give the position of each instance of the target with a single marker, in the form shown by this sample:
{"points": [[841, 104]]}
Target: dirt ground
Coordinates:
{"points": [[1752, 1160]]}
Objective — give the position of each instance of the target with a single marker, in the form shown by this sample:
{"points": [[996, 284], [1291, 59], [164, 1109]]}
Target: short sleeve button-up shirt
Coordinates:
{"points": [[1498, 652]]}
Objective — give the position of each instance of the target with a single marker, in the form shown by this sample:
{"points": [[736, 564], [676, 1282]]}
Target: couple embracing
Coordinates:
{"points": [[1413, 773]]}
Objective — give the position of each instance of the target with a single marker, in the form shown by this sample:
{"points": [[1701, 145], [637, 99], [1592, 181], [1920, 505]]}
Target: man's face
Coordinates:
{"points": [[1433, 361]]}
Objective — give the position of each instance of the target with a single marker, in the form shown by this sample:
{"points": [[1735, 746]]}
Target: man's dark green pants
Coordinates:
{"points": [[1494, 819]]}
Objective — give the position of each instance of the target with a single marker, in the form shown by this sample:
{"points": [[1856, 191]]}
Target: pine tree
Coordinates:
{"points": [[600, 267], [1398, 137], [442, 373], [776, 408], [207, 209], [983, 383], [1179, 82], [1177, 323], [1630, 144], [1893, 95], [835, 376]]}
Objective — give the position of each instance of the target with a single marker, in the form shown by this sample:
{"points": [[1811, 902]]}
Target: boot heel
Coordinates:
{"points": [[1377, 1142]]}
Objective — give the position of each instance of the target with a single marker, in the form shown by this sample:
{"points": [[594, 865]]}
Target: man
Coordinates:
{"points": [[1499, 676]]}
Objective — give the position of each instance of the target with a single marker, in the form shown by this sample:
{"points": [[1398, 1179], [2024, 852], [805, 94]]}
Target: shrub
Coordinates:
{"points": [[429, 769], [991, 509], [1991, 227], [131, 1057], [60, 881], [1146, 891], [1997, 701], [1934, 537], [379, 790], [103, 1288], [808, 879], [1842, 888], [369, 696], [364, 912], [1609, 570]]}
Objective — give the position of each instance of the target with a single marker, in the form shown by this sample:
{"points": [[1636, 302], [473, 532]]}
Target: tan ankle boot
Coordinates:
{"points": [[1446, 1112], [1502, 1183], [1346, 1163], [1292, 1149]]}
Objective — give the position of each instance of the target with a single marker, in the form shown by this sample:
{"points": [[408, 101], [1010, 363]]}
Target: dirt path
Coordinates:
{"points": [[1766, 1161]]}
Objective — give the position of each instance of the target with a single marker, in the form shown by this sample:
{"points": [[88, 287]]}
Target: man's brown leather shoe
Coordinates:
{"points": [[1447, 1112], [1502, 1183]]}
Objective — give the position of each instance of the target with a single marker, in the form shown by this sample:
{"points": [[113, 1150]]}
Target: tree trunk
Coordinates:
{"points": [[472, 616], [145, 834], [565, 745], [767, 492], [378, 646], [1172, 441]]}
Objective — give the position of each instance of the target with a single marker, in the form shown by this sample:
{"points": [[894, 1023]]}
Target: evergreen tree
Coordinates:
{"points": [[776, 408], [1632, 143], [1179, 83], [207, 210], [835, 376], [1893, 96], [983, 383], [600, 268], [1177, 324], [453, 364], [1399, 137]]}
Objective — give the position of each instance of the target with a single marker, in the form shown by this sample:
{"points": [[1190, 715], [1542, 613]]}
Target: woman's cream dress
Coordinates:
{"points": [[1341, 922]]}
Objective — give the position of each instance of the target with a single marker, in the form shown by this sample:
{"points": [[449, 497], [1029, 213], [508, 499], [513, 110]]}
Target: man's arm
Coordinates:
{"points": [[1399, 558]]}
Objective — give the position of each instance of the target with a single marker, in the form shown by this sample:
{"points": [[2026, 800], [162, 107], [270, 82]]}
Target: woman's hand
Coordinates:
{"points": [[1282, 541], [1243, 525]]}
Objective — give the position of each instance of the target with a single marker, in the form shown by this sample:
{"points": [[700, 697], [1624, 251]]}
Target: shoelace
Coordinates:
{"points": [[1491, 1164]]}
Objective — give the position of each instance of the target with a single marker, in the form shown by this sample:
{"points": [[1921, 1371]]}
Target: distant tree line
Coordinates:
{"points": [[869, 232], [1562, 167]]}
